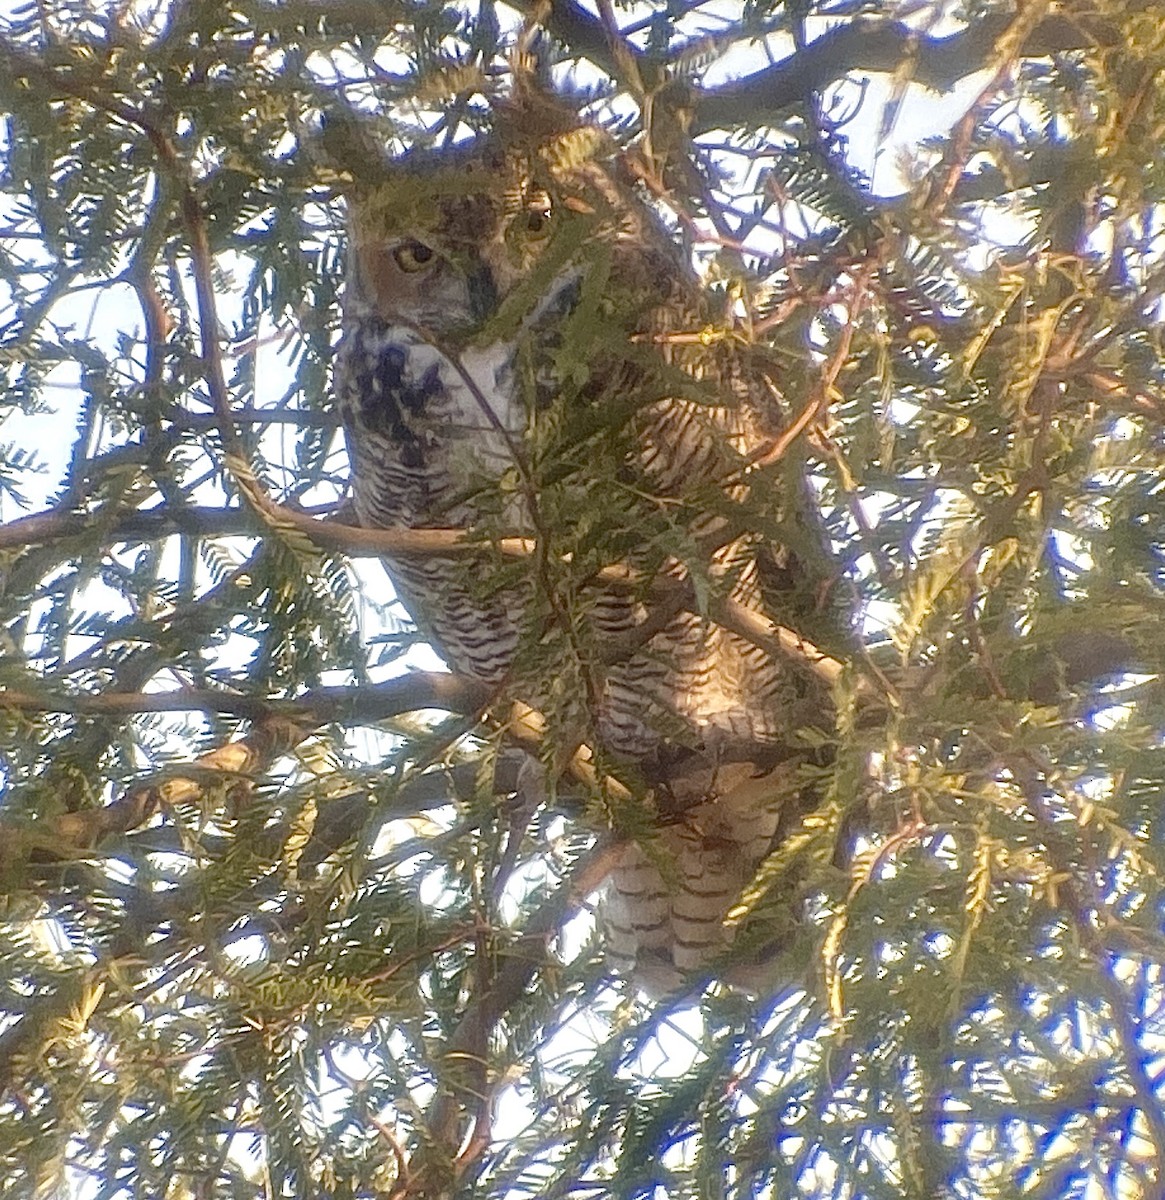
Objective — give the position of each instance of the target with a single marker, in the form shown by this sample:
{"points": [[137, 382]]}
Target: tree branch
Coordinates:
{"points": [[465, 1076], [357, 541], [879, 46], [867, 44], [279, 726], [371, 703], [144, 525]]}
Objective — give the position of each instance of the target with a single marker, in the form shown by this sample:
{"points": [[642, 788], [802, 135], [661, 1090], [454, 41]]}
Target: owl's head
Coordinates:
{"points": [[481, 239]]}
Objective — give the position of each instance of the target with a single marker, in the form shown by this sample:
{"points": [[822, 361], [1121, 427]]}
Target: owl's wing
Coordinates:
{"points": [[726, 804]]}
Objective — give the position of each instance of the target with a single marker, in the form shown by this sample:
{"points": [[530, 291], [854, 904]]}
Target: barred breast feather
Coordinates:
{"points": [[408, 413]]}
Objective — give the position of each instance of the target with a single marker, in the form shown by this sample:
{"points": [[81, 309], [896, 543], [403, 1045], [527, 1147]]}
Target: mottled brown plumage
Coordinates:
{"points": [[526, 349]]}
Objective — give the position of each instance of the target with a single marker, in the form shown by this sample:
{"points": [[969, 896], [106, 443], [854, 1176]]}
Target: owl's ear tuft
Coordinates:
{"points": [[352, 149], [535, 114], [531, 61]]}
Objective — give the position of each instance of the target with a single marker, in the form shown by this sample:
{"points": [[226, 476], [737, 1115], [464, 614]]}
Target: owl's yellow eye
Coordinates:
{"points": [[537, 221], [413, 256]]}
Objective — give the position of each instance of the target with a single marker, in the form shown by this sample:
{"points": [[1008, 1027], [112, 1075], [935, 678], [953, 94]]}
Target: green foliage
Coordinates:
{"points": [[270, 928]]}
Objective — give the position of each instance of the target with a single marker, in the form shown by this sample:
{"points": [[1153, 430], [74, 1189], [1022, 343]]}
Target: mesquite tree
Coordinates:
{"points": [[268, 927]]}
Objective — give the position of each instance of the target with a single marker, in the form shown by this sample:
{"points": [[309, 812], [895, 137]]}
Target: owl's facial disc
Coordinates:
{"points": [[453, 294], [449, 263]]}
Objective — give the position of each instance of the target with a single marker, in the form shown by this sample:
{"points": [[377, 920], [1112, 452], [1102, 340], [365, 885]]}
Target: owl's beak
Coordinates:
{"points": [[483, 294]]}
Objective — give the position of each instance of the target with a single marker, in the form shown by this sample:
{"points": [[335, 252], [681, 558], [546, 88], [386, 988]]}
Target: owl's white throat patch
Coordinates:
{"points": [[409, 393]]}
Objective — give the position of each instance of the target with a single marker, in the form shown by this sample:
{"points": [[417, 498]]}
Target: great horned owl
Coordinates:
{"points": [[526, 349]]}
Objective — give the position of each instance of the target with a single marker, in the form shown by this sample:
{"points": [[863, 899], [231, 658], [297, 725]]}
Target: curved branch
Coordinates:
{"points": [[356, 541], [53, 525], [278, 727], [883, 46], [865, 44]]}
